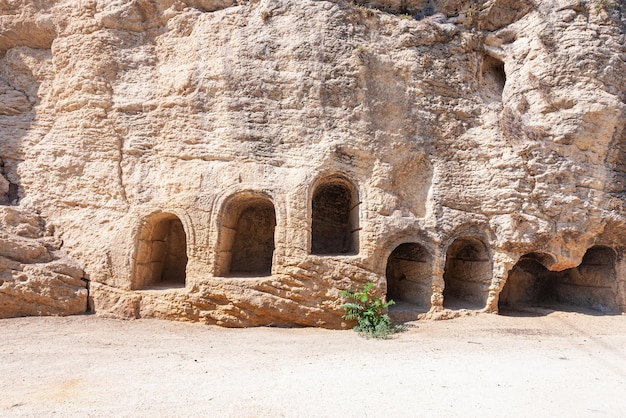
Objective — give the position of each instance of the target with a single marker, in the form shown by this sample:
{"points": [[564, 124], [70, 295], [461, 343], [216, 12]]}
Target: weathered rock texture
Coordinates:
{"points": [[35, 278], [240, 162]]}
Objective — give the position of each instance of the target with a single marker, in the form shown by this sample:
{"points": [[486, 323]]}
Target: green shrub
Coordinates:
{"points": [[370, 313]]}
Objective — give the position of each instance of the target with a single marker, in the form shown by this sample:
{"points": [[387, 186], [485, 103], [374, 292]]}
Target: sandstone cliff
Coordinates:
{"points": [[240, 162]]}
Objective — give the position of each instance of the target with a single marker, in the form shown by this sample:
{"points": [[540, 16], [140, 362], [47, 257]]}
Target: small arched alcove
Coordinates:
{"points": [[247, 236], [591, 285], [335, 217], [409, 275], [467, 274], [160, 259]]}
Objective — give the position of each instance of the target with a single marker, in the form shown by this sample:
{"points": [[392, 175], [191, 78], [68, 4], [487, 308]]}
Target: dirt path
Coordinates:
{"points": [[562, 364]]}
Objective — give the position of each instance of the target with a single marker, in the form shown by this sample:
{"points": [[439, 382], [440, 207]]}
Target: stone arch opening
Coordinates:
{"points": [[409, 275], [528, 284], [591, 285], [247, 237], [160, 259], [467, 274], [493, 79], [335, 218]]}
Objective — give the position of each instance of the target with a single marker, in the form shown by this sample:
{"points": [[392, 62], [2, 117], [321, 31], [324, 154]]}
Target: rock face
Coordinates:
{"points": [[240, 162], [35, 278]]}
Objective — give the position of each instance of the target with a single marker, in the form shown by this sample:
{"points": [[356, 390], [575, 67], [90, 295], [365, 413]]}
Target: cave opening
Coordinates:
{"points": [[335, 219], [247, 237], [161, 253], [467, 274], [409, 276], [589, 286]]}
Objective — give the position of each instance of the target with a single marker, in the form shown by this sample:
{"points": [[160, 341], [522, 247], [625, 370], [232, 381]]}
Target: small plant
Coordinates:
{"points": [[369, 312]]}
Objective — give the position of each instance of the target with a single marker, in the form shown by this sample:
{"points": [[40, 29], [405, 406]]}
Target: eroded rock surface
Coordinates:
{"points": [[241, 162], [35, 277]]}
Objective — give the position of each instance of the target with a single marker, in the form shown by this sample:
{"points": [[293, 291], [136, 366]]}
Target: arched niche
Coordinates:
{"points": [[247, 236], [335, 217], [160, 259], [409, 275], [591, 285], [467, 274]]}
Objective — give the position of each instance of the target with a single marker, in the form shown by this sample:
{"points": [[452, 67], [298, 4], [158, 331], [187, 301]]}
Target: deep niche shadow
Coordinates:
{"points": [[590, 288], [409, 280], [160, 259], [467, 274]]}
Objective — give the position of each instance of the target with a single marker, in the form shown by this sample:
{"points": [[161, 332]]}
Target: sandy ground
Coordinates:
{"points": [[561, 364]]}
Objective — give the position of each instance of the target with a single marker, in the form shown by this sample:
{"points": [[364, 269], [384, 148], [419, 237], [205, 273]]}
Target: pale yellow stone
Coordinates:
{"points": [[124, 123]]}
